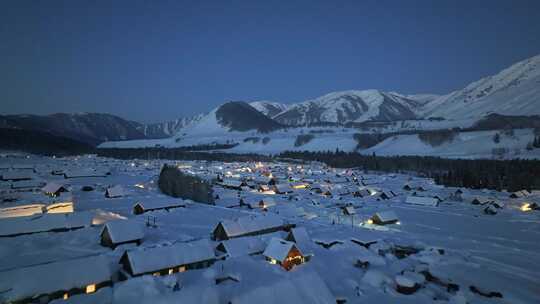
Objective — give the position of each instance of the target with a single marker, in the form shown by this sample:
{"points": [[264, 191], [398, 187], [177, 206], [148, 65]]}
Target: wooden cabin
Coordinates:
{"points": [[247, 226], [385, 218], [121, 232], [53, 189], [283, 253], [422, 200], [166, 260], [16, 175], [140, 207], [114, 192], [58, 280]]}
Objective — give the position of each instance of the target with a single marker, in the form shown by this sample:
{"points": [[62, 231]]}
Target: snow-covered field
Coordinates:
{"points": [[455, 252], [472, 145]]}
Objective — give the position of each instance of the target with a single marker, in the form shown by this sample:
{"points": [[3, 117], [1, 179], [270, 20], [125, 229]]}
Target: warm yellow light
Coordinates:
{"points": [[270, 175], [526, 207], [90, 288], [171, 271], [156, 274], [301, 186], [66, 296], [181, 268], [273, 261], [370, 221]]}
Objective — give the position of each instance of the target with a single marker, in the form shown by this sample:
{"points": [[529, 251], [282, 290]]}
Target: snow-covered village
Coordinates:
{"points": [[263, 152], [86, 229]]}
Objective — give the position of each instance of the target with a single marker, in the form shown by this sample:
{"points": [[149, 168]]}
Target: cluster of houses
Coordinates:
{"points": [[272, 203]]}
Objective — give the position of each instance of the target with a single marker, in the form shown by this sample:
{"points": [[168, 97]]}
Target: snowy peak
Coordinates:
{"points": [[269, 108], [513, 91], [350, 106]]}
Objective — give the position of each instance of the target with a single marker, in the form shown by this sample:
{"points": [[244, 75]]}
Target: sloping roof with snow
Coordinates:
{"points": [[116, 191], [52, 187], [387, 216], [16, 175], [249, 224], [244, 246], [26, 184], [278, 249], [26, 282], [122, 231], [301, 287], [44, 222], [157, 258], [422, 200], [150, 205]]}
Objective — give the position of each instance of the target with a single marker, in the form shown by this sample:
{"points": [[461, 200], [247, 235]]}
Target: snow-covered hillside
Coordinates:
{"points": [[269, 108], [350, 106], [513, 91], [472, 145], [169, 128]]}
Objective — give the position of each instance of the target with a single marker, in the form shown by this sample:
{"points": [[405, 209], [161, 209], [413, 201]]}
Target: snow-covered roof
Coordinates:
{"points": [[157, 258], [52, 187], [122, 231], [116, 191], [422, 200], [83, 173], [278, 249], [151, 205], [386, 216], [244, 246], [44, 222], [26, 184], [248, 224], [301, 287], [16, 175], [26, 282]]}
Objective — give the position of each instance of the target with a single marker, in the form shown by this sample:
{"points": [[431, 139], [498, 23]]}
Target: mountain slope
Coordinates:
{"points": [[350, 106], [513, 91], [168, 128], [269, 108], [91, 128]]}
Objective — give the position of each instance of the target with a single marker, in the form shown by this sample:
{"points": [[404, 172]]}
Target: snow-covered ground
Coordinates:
{"points": [[455, 252], [472, 145]]}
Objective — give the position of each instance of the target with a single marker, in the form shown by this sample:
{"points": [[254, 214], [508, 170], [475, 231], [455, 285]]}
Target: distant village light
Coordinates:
{"points": [[526, 207], [66, 296], [90, 288]]}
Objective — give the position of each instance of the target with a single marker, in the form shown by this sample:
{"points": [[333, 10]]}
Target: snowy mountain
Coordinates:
{"points": [[513, 91], [350, 106], [168, 128], [91, 128], [269, 108]]}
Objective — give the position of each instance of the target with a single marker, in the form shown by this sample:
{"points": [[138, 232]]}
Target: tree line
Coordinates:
{"points": [[511, 175]]}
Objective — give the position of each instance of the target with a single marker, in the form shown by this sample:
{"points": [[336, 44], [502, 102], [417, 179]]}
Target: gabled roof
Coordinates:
{"points": [[44, 222], [302, 287], [16, 175], [26, 282], [151, 205], [26, 184], [244, 246], [249, 224], [278, 249], [122, 231], [52, 187], [422, 200], [157, 258], [116, 191], [387, 216]]}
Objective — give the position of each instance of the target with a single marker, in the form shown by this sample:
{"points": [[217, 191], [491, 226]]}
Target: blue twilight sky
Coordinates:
{"points": [[157, 60]]}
